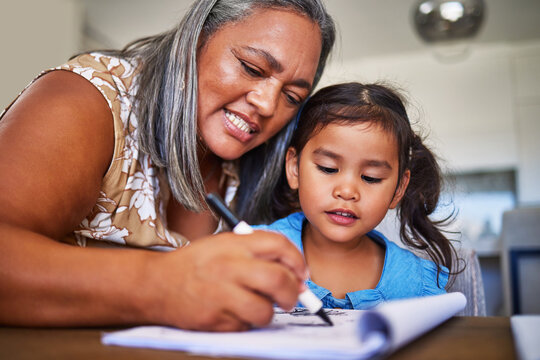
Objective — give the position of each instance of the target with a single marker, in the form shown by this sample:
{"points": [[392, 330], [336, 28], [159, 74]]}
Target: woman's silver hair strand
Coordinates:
{"points": [[168, 103], [180, 108]]}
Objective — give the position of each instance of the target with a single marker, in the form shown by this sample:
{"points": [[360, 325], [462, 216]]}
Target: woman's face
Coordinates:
{"points": [[252, 77]]}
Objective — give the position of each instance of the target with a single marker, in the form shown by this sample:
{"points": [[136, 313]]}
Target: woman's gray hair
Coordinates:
{"points": [[167, 102]]}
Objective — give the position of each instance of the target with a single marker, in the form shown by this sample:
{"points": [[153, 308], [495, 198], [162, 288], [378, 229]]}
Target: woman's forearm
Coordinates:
{"points": [[220, 283], [46, 283]]}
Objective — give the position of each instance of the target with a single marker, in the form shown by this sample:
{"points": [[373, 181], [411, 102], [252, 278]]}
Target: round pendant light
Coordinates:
{"points": [[447, 20]]}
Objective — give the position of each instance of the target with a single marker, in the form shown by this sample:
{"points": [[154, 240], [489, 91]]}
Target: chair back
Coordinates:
{"points": [[469, 282], [520, 238]]}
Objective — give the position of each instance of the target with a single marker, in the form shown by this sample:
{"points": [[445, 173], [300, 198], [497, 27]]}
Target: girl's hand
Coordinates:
{"points": [[226, 282]]}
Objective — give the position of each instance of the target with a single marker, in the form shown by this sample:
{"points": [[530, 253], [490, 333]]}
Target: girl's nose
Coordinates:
{"points": [[347, 190], [265, 97]]}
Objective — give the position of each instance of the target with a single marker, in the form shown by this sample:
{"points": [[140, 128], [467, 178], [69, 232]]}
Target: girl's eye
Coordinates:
{"points": [[327, 170], [251, 70], [370, 180]]}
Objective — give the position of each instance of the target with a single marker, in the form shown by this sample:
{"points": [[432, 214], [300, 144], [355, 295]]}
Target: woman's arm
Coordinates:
{"points": [[56, 143], [221, 282]]}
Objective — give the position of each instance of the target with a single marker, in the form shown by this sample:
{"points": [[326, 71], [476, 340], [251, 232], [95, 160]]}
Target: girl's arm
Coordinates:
{"points": [[56, 143]]}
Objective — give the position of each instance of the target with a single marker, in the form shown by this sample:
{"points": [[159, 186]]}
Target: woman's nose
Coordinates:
{"points": [[265, 97]]}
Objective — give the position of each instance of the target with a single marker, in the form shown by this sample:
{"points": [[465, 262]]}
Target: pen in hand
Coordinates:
{"points": [[307, 298]]}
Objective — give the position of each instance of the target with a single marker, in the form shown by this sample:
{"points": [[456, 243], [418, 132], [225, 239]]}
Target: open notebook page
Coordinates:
{"points": [[356, 334]]}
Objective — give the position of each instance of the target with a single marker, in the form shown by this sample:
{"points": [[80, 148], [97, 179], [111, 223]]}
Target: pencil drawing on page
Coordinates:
{"points": [[298, 311], [300, 321], [313, 320]]}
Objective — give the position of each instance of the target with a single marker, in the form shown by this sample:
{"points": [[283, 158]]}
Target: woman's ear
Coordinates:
{"points": [[401, 189], [291, 168]]}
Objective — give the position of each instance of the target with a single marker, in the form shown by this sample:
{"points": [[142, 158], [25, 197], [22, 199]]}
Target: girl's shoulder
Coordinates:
{"points": [[405, 274], [290, 226], [292, 222]]}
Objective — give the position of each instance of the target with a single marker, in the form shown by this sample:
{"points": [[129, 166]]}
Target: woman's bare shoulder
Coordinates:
{"points": [[56, 143]]}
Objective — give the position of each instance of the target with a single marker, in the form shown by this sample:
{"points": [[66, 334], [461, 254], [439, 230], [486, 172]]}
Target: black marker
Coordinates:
{"points": [[307, 298]]}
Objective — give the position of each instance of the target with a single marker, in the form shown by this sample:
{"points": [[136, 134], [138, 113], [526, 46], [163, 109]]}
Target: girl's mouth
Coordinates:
{"points": [[342, 217]]}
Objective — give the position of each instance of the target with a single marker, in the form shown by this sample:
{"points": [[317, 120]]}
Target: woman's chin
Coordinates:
{"points": [[229, 151]]}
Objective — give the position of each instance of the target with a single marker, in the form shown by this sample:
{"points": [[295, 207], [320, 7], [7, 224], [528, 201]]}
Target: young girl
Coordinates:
{"points": [[353, 156]]}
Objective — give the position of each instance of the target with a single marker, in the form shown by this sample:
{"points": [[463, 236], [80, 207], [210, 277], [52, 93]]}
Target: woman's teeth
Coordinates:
{"points": [[238, 122]]}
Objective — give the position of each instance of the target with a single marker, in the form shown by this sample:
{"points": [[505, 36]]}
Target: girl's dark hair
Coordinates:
{"points": [[351, 103]]}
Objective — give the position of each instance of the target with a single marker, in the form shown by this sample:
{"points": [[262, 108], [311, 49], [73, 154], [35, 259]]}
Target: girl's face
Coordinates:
{"points": [[346, 178], [252, 77]]}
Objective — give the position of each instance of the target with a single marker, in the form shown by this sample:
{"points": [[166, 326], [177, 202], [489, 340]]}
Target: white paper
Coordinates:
{"points": [[407, 319], [525, 329], [356, 334]]}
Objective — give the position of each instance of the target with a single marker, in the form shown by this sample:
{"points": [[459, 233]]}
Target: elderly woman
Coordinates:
{"points": [[119, 148]]}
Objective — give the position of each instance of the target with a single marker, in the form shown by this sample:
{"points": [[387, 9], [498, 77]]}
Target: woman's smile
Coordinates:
{"points": [[239, 127]]}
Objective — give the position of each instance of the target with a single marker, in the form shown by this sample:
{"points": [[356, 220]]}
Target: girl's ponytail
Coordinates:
{"points": [[417, 229]]}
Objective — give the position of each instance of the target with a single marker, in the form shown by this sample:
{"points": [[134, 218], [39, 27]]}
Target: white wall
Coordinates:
{"points": [[35, 35], [114, 23], [526, 66]]}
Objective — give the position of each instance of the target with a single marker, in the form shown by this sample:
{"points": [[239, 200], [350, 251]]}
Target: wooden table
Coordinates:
{"points": [[459, 338]]}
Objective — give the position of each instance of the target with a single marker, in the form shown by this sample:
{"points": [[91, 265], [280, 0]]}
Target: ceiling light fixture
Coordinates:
{"points": [[448, 24]]}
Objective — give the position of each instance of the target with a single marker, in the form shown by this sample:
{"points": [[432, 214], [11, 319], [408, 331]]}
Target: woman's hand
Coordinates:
{"points": [[225, 282]]}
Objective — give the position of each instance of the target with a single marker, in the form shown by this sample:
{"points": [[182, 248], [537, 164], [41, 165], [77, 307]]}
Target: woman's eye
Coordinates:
{"points": [[251, 70], [327, 170], [293, 100], [370, 180]]}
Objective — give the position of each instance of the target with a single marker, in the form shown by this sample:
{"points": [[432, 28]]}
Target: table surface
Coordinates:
{"points": [[459, 338]]}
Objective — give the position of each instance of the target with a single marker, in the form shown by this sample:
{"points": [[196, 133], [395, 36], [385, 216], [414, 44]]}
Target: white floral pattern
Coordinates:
{"points": [[101, 228], [141, 184]]}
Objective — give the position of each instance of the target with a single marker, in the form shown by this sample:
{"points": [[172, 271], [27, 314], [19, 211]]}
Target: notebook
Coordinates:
{"points": [[356, 334]]}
